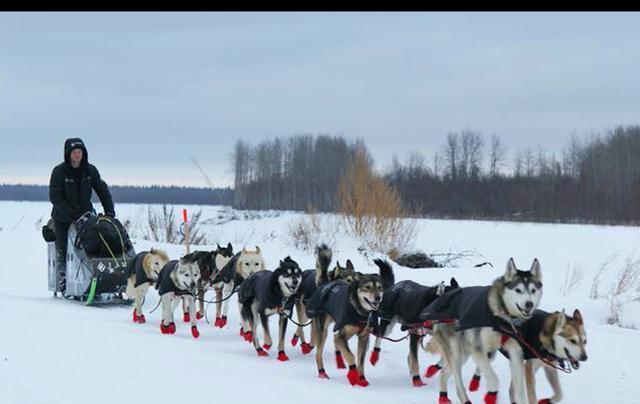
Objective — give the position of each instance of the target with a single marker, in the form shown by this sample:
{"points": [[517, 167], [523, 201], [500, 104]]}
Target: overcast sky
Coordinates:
{"points": [[146, 90]]}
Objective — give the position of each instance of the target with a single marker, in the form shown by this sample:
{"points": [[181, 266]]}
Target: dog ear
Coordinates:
{"points": [[562, 320], [218, 244], [258, 249], [535, 270], [349, 265], [230, 247], [578, 316], [511, 270], [244, 250], [454, 283], [440, 289]]}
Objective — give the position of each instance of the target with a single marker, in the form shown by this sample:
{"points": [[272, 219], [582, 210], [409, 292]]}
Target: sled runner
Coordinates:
{"points": [[93, 278]]}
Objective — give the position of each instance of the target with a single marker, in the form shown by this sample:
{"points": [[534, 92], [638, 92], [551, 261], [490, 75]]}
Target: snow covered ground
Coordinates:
{"points": [[54, 351]]}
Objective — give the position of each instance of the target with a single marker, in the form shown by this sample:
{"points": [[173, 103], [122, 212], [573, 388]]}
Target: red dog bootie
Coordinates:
{"points": [[353, 375], [322, 374], [417, 381], [282, 357], [432, 370], [139, 318], [198, 315], [491, 397], [340, 361], [363, 381], [218, 323], [294, 340], [262, 352], [266, 347], [474, 384], [443, 399], [305, 347], [375, 356], [194, 331], [242, 332], [223, 321], [248, 336], [545, 401], [186, 317], [167, 329]]}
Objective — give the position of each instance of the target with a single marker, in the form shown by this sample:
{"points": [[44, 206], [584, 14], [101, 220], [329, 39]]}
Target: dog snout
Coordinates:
{"points": [[528, 305], [583, 357]]}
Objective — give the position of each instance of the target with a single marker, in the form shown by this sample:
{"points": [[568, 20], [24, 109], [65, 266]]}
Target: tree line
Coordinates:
{"points": [[130, 194], [595, 179], [293, 173]]}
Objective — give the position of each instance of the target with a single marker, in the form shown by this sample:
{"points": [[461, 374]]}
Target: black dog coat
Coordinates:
{"points": [[333, 298]]}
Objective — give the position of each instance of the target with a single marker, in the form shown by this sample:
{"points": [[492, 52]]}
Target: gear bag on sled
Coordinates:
{"points": [[90, 276]]}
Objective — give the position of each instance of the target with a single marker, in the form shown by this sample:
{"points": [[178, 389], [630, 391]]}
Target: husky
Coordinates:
{"points": [[178, 279], [352, 307], [403, 303], [477, 321], [264, 294], [308, 287], [555, 337], [210, 263], [143, 272], [239, 267]]}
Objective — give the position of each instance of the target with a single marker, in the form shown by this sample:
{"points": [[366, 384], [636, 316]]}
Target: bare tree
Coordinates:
{"points": [[497, 155]]}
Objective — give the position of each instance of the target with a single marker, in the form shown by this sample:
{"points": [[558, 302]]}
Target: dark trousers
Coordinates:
{"points": [[61, 253]]}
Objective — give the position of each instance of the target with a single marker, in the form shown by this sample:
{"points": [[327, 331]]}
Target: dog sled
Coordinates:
{"points": [[92, 278]]}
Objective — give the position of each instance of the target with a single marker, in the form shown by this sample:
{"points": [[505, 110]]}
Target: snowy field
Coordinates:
{"points": [[54, 351]]}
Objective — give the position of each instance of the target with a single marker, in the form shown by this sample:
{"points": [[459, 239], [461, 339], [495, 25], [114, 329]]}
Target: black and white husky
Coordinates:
{"points": [[402, 303], [352, 306], [478, 321], [178, 279], [264, 294]]}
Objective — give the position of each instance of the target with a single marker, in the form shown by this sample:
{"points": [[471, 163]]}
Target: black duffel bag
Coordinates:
{"points": [[103, 236]]}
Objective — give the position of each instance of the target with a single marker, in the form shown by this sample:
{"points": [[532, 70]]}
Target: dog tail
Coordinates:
{"points": [[386, 273], [324, 255]]}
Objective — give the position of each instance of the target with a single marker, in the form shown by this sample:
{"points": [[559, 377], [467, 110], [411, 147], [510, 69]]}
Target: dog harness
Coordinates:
{"points": [[136, 267], [406, 299], [263, 286], [333, 298]]}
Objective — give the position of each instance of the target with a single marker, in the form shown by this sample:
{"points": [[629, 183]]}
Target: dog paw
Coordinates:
{"points": [[474, 384], [194, 331], [167, 329], [432, 370], [199, 315], [375, 356], [217, 323], [417, 381], [443, 399], [262, 352], [186, 317], [491, 397], [322, 374], [545, 401], [306, 348], [242, 332], [353, 375], [339, 361], [282, 357], [266, 347], [294, 340], [362, 381], [223, 321], [248, 336], [139, 318]]}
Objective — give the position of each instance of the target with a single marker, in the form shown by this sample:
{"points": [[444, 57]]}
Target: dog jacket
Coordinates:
{"points": [[263, 286], [406, 299], [228, 272], [165, 283], [469, 306], [135, 267], [530, 332], [333, 298]]}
